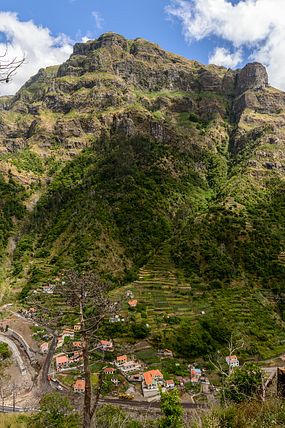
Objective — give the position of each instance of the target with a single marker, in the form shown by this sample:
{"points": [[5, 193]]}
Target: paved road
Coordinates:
{"points": [[145, 404], [15, 351]]}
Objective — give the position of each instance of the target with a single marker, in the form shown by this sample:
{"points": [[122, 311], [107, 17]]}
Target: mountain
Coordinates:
{"points": [[148, 167]]}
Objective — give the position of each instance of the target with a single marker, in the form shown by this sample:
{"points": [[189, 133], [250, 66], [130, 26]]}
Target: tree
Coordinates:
{"points": [[87, 295], [55, 412], [172, 410], [243, 383], [9, 66]]}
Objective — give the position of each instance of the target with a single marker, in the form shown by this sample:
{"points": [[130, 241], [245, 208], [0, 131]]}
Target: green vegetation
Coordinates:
{"points": [[11, 198]]}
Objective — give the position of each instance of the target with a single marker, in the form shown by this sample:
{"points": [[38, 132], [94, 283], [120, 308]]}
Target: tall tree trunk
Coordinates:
{"points": [[87, 372]]}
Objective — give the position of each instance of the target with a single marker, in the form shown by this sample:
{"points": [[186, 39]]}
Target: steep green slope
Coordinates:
{"points": [[131, 150]]}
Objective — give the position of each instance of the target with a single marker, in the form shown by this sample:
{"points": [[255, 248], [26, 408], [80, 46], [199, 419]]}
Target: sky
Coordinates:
{"points": [[225, 32]]}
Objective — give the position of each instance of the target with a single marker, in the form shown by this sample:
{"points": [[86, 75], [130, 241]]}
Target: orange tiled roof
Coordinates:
{"points": [[133, 302], [80, 384], [61, 360], [109, 369], [122, 358], [148, 376], [106, 342]]}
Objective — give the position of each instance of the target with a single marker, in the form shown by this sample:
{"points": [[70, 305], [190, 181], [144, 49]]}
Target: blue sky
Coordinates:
{"points": [[131, 18], [225, 32]]}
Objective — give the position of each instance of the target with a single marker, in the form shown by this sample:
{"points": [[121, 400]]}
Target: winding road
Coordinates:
{"points": [[16, 354]]}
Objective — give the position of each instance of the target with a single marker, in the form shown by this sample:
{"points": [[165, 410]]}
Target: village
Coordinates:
{"points": [[139, 374]]}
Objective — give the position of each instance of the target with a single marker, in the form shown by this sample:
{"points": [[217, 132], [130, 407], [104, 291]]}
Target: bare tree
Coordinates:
{"points": [[88, 296], [9, 66]]}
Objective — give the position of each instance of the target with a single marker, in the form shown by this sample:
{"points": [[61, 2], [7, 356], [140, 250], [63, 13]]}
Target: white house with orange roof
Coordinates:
{"points": [[79, 386], [152, 380], [133, 303], [232, 361], [170, 384], [106, 345], [120, 360], [44, 347], [130, 366], [61, 362]]}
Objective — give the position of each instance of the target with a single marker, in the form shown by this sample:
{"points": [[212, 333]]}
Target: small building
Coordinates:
{"points": [[67, 332], [232, 361], [77, 327], [48, 289], [77, 345], [170, 384], [195, 375], [109, 370], [44, 347], [77, 356], [121, 360], [165, 353], [152, 379], [130, 366], [133, 303], [130, 294], [106, 345], [61, 362], [60, 341], [79, 386]]}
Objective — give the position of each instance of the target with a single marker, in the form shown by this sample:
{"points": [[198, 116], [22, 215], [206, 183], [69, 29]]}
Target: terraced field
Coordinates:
{"points": [[164, 296]]}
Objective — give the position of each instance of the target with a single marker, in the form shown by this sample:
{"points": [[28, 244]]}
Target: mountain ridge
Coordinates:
{"points": [[125, 148]]}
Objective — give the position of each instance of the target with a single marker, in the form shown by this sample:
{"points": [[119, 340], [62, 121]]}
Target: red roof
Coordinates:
{"points": [[170, 382], [133, 302], [109, 370], [122, 358], [106, 342], [79, 384], [61, 359], [148, 376]]}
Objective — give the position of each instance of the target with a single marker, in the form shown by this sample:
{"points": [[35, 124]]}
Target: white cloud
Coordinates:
{"points": [[257, 25], [224, 57], [98, 19], [36, 43]]}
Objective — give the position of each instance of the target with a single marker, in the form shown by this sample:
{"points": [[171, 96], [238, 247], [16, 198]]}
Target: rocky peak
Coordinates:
{"points": [[252, 76], [105, 40]]}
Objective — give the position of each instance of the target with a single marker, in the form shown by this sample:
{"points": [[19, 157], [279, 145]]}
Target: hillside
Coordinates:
{"points": [[148, 167]]}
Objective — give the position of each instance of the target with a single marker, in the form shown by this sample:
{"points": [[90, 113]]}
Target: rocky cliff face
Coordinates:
{"points": [[126, 146]]}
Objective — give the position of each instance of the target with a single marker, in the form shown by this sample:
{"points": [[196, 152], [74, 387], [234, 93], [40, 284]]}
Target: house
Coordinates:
{"points": [[109, 370], [67, 332], [130, 366], [61, 362], [232, 361], [77, 345], [116, 318], [48, 289], [165, 353], [121, 360], [170, 384], [77, 327], [79, 386], [195, 375], [44, 347], [60, 341], [132, 303], [77, 356], [106, 345], [130, 294], [152, 379], [115, 381]]}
